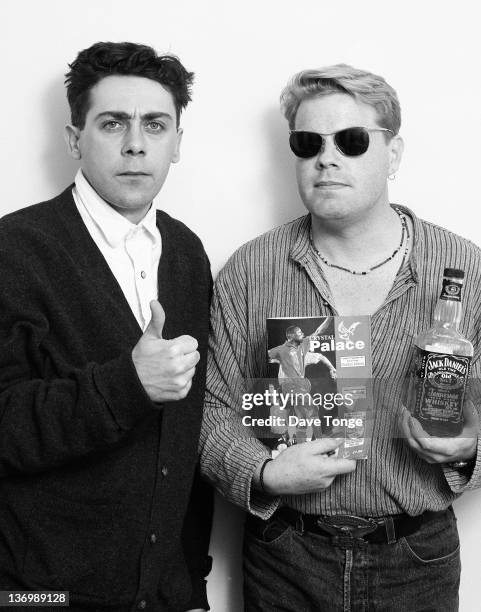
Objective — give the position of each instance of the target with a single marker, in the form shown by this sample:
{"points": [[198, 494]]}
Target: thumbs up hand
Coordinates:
{"points": [[165, 367]]}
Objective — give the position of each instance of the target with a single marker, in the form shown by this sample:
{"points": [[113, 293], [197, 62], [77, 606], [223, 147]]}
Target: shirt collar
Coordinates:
{"points": [[113, 226], [417, 249]]}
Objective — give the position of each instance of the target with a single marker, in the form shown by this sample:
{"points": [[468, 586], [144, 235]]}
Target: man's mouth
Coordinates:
{"points": [[330, 184], [133, 173]]}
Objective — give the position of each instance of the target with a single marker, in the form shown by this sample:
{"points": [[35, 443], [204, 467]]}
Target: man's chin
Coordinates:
{"points": [[329, 210], [133, 209]]}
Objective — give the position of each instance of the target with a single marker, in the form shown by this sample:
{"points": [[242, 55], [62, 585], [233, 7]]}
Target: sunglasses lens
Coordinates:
{"points": [[305, 144], [352, 141]]}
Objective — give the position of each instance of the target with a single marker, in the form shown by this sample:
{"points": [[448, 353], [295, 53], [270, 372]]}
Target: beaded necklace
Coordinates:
{"points": [[404, 232]]}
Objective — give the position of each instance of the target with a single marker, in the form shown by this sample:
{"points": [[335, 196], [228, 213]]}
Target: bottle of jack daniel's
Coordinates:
{"points": [[442, 363]]}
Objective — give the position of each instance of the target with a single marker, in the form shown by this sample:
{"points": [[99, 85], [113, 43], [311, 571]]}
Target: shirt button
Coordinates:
{"points": [[143, 274], [142, 604], [164, 470], [153, 538]]}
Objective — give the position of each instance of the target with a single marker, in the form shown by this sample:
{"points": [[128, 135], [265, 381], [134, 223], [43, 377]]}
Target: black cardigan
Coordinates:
{"points": [[95, 479]]}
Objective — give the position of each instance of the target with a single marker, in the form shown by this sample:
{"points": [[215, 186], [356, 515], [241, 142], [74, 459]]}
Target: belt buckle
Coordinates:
{"points": [[347, 524]]}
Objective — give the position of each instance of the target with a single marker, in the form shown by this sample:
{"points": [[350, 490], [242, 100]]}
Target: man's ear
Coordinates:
{"points": [[176, 155], [396, 148], [72, 135]]}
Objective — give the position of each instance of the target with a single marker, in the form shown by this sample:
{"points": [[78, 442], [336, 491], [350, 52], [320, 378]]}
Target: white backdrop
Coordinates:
{"points": [[236, 176]]}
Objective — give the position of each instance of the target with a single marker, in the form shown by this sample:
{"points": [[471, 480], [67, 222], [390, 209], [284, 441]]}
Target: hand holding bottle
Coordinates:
{"points": [[442, 449]]}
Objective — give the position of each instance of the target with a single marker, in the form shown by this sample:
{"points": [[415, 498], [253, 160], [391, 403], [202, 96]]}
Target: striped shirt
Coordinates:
{"points": [[278, 275]]}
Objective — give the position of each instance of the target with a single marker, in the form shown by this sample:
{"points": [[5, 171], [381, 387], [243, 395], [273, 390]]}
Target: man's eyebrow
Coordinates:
{"points": [[127, 116]]}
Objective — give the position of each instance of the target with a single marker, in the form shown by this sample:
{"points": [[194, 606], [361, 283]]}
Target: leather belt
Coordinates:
{"points": [[378, 530]]}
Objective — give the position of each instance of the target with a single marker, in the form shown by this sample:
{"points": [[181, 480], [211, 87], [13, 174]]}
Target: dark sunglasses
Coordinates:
{"points": [[352, 141]]}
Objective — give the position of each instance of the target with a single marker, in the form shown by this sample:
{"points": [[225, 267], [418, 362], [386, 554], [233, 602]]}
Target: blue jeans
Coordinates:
{"points": [[286, 570]]}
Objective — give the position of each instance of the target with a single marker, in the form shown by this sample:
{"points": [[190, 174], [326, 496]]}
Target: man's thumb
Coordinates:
{"points": [[156, 323]]}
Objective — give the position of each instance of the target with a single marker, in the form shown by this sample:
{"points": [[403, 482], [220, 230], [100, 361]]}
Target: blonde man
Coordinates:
{"points": [[325, 533]]}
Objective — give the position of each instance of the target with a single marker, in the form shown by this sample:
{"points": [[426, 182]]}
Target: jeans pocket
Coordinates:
{"points": [[435, 542], [272, 531]]}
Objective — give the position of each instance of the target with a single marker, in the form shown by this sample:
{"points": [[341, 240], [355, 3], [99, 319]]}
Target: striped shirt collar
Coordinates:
{"points": [[113, 226]]}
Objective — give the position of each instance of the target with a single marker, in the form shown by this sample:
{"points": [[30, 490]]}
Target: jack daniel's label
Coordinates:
{"points": [[451, 289], [440, 381]]}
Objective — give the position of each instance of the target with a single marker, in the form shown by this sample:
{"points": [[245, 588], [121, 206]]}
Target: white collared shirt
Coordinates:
{"points": [[131, 251]]}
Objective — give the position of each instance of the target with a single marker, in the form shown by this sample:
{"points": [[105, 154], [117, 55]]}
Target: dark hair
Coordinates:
{"points": [[125, 58], [290, 331]]}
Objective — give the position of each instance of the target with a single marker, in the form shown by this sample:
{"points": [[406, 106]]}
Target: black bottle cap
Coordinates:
{"points": [[453, 273]]}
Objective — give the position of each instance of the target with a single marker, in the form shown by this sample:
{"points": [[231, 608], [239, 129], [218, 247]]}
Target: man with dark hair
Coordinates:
{"points": [[324, 532], [129, 59], [293, 356], [295, 353], [103, 327]]}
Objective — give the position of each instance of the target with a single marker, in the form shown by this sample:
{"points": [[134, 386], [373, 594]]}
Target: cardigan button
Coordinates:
{"points": [[142, 604], [164, 471], [153, 538]]}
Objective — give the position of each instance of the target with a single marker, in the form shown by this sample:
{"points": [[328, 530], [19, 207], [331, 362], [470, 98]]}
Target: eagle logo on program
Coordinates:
{"points": [[346, 332]]}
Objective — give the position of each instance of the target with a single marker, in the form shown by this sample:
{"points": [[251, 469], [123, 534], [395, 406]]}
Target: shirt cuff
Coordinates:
{"points": [[464, 478], [241, 462]]}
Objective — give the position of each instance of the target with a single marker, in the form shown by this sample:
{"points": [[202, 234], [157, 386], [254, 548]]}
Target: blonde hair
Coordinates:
{"points": [[364, 86]]}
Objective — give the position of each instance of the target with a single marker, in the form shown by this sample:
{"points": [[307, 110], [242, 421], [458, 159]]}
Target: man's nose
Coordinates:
{"points": [[134, 142], [328, 154]]}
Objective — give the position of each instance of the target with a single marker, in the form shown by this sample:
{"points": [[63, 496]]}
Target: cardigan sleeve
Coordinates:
{"points": [[47, 420]]}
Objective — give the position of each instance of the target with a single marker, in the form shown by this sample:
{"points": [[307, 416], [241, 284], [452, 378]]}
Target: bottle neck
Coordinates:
{"points": [[448, 313]]}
